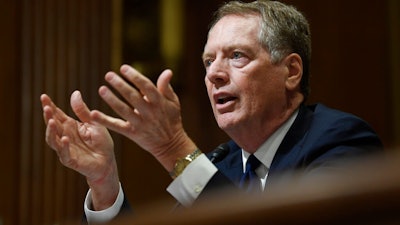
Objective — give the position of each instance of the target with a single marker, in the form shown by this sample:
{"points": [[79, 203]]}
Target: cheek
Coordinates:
{"points": [[253, 98], [208, 85], [209, 88], [261, 91]]}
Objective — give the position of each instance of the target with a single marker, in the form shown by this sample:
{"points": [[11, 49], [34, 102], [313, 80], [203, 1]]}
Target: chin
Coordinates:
{"points": [[229, 120], [226, 125]]}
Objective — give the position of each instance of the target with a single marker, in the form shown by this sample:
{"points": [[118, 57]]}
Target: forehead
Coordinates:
{"points": [[234, 29]]}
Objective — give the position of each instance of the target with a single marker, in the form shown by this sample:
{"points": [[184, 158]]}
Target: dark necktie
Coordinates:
{"points": [[250, 182]]}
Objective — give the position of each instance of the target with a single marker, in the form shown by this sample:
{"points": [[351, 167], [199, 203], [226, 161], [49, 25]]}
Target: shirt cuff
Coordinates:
{"points": [[188, 186], [103, 216]]}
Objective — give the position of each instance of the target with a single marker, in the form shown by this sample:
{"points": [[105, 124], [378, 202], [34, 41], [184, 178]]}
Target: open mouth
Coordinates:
{"points": [[225, 99]]}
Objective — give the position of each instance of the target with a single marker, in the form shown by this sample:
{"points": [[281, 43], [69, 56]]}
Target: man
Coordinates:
{"points": [[257, 66]]}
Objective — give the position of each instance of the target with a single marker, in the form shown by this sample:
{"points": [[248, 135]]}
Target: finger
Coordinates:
{"points": [[163, 85], [142, 83], [115, 124], [47, 114], [64, 153], [53, 135], [133, 97], [45, 100], [59, 143], [120, 107], [50, 110], [47, 107], [79, 107]]}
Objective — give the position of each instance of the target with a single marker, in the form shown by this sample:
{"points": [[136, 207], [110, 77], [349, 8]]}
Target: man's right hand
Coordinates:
{"points": [[83, 146]]}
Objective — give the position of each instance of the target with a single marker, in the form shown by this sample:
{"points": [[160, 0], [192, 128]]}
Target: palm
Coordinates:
{"points": [[82, 146], [90, 148]]}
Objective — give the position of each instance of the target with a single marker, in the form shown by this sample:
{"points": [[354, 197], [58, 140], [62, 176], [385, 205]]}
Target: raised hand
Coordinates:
{"points": [[150, 115], [83, 146]]}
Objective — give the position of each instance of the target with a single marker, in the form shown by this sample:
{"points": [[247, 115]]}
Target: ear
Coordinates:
{"points": [[294, 65]]}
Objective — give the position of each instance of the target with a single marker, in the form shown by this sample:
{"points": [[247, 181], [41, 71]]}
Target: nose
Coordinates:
{"points": [[218, 73]]}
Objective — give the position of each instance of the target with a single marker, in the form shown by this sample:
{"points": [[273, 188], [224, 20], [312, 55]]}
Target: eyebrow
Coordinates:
{"points": [[205, 55], [230, 48]]}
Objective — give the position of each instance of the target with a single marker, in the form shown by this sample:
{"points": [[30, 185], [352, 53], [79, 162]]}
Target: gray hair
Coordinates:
{"points": [[284, 30]]}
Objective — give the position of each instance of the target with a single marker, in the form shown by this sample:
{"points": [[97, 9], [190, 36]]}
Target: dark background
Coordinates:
{"points": [[56, 47]]}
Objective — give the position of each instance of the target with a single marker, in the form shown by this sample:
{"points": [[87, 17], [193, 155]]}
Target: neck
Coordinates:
{"points": [[251, 136]]}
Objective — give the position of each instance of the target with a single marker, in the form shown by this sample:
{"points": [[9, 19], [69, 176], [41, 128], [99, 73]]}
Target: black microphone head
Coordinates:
{"points": [[219, 153]]}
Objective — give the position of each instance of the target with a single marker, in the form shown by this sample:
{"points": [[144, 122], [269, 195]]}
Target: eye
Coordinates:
{"points": [[207, 62], [239, 59], [237, 55]]}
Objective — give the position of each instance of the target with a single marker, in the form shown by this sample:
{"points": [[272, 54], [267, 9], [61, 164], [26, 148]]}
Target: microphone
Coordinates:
{"points": [[219, 153]]}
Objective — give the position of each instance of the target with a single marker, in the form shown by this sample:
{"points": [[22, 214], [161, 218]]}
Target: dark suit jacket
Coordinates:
{"points": [[319, 139]]}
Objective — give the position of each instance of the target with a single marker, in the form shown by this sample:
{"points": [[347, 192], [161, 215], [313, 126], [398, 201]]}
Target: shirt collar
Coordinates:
{"points": [[266, 152]]}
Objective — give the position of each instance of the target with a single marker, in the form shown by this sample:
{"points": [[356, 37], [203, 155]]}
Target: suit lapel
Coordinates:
{"points": [[285, 157], [291, 145]]}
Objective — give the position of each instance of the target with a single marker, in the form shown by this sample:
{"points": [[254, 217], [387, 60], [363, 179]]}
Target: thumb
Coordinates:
{"points": [[163, 85], [79, 107]]}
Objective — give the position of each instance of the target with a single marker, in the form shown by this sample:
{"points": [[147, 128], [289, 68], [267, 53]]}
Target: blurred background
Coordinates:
{"points": [[56, 47]]}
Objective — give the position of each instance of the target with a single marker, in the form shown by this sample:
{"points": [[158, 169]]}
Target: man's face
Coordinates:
{"points": [[246, 90]]}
